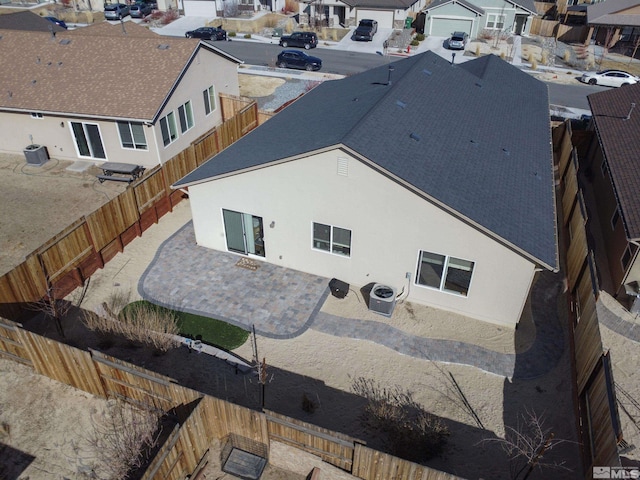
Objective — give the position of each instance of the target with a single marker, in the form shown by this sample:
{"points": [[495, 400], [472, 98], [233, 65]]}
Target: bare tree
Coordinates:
{"points": [[526, 445], [411, 432], [122, 438]]}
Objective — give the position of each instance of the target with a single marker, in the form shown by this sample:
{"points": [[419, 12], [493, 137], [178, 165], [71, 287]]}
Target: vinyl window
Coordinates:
{"points": [[185, 114], [495, 21], [209, 96], [132, 135], [332, 239], [444, 273], [169, 129]]}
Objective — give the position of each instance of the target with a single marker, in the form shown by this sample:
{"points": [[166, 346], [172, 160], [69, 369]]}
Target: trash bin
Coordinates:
{"points": [[36, 155], [407, 22]]}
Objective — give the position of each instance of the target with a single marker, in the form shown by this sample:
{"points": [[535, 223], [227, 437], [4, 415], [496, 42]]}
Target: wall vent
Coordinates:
{"points": [[343, 166]]}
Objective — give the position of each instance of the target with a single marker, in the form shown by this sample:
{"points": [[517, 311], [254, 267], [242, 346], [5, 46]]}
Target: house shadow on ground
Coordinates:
{"points": [[334, 409]]}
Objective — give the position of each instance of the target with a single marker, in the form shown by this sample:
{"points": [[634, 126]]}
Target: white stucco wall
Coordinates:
{"points": [[389, 224]]}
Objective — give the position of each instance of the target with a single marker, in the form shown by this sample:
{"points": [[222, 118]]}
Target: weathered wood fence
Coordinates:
{"points": [[555, 29], [66, 260], [208, 417], [598, 417]]}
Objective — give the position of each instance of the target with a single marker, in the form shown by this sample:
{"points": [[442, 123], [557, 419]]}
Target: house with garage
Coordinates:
{"points": [[419, 175], [388, 13], [116, 93], [611, 170], [443, 17]]}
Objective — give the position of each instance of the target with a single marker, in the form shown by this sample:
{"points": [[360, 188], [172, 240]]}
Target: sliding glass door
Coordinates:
{"points": [[244, 233]]}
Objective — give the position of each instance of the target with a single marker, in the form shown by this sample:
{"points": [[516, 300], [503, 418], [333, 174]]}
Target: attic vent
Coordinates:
{"points": [[426, 72], [505, 151], [33, 82], [38, 60], [343, 166], [401, 104], [163, 46], [478, 84], [65, 41], [473, 142], [414, 136]]}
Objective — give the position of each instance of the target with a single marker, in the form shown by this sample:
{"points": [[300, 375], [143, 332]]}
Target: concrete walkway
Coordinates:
{"points": [[284, 303]]}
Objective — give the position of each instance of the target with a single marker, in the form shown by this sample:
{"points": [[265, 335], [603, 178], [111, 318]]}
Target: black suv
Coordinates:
{"points": [[208, 33], [300, 39], [366, 30]]}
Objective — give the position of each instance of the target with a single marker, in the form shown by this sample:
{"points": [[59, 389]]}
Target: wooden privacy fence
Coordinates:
{"points": [[555, 29], [66, 260], [594, 382], [206, 418]]}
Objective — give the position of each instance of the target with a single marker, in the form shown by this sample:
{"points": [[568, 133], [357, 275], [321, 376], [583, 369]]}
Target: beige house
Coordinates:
{"points": [[388, 177], [116, 93]]}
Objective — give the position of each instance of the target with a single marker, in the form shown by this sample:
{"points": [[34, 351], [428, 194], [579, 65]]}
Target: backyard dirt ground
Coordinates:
{"points": [[38, 200]]}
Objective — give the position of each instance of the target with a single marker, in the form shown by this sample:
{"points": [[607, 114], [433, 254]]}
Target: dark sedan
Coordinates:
{"points": [[58, 22], [208, 33], [297, 59]]}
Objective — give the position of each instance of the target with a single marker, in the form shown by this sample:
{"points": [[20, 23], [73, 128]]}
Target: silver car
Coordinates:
{"points": [[458, 41], [115, 11]]}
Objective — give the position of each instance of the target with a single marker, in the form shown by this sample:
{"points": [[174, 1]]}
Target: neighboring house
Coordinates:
{"points": [[613, 21], [443, 17], [27, 21], [110, 92], [424, 178], [388, 13], [614, 176]]}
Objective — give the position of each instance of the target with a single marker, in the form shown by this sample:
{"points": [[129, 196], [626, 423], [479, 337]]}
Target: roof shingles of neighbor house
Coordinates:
{"points": [[27, 21], [471, 6], [86, 74], [450, 133], [606, 13], [617, 124]]}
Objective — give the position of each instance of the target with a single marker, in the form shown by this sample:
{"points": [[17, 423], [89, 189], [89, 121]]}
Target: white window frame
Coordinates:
{"points": [[134, 145], [90, 145], [209, 96], [169, 121], [185, 116], [448, 260], [493, 19], [334, 247]]}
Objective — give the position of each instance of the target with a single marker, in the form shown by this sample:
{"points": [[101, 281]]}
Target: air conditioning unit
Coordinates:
{"points": [[382, 299]]}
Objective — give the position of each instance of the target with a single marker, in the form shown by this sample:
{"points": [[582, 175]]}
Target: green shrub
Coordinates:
{"points": [[420, 37], [247, 35], [231, 34], [415, 43]]}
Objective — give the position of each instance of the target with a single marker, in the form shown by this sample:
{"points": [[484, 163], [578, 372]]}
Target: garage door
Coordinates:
{"points": [[443, 27], [384, 17]]}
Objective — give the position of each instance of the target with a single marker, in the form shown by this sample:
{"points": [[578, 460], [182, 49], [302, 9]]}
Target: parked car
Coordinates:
{"points": [[366, 30], [116, 11], [298, 59], [306, 40], [610, 78], [58, 22], [458, 41], [208, 33], [140, 10]]}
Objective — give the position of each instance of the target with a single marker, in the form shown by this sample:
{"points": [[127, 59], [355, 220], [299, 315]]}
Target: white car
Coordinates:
{"points": [[610, 78]]}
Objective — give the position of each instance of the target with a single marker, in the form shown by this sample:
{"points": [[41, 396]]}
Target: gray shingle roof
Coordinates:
{"points": [[464, 3], [381, 4], [620, 142], [27, 21], [611, 13], [474, 137]]}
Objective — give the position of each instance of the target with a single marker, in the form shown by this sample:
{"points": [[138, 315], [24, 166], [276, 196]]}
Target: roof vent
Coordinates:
{"points": [[163, 46], [473, 142], [355, 99], [414, 136], [33, 82], [633, 105], [65, 41], [506, 151], [478, 84], [401, 104], [37, 60], [426, 72]]}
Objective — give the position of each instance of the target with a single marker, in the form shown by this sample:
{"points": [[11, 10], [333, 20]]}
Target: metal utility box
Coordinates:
{"points": [[36, 155], [382, 299]]}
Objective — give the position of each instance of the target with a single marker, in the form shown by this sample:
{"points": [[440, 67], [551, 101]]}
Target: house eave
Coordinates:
{"points": [[75, 115]]}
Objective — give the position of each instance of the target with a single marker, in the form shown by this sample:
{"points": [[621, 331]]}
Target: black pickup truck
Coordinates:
{"points": [[366, 30]]}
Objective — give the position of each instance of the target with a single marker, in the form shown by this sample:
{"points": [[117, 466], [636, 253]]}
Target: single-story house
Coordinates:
{"points": [[443, 17], [110, 92], [419, 175], [613, 21], [388, 13], [614, 177]]}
